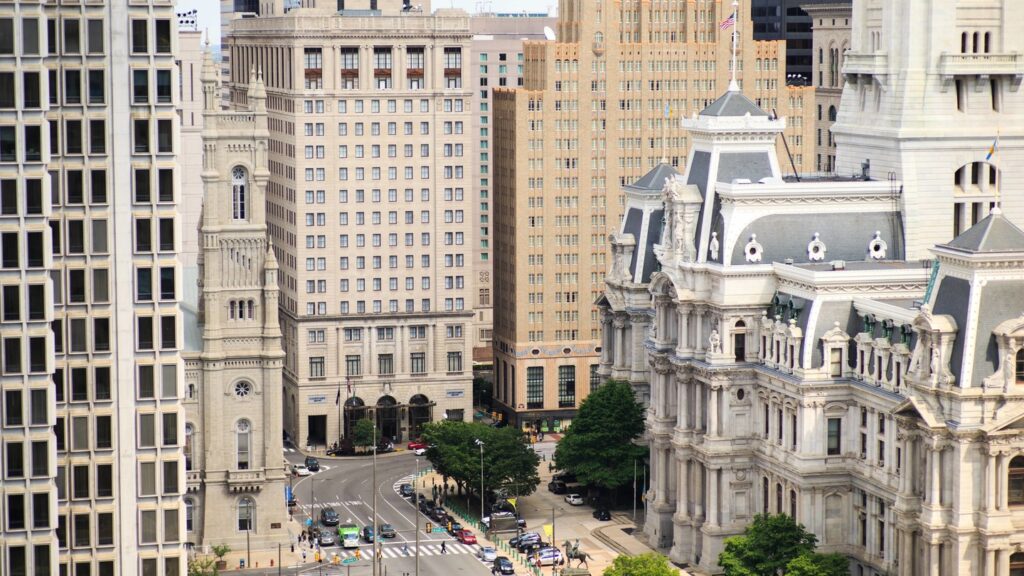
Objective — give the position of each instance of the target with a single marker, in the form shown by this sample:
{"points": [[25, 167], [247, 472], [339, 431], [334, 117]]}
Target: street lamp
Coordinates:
{"points": [[480, 443]]}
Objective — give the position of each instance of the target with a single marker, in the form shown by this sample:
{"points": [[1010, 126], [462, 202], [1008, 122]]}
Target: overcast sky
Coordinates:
{"points": [[209, 10]]}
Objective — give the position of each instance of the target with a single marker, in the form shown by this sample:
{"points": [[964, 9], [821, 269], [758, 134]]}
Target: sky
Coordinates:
{"points": [[209, 10]]}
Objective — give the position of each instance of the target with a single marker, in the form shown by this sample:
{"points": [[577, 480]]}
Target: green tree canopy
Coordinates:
{"points": [[598, 447], [815, 564], [650, 564], [508, 463], [364, 433], [766, 547]]}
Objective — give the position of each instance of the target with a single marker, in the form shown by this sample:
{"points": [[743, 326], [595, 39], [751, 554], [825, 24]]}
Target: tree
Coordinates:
{"points": [[815, 564], [650, 564], [507, 461], [202, 567], [363, 433], [766, 547], [598, 447]]}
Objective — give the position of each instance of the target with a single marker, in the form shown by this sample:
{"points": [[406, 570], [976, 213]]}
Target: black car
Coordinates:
{"points": [[602, 514], [367, 533], [503, 566], [522, 538], [440, 515], [312, 464], [329, 517], [427, 506], [558, 487], [387, 531], [531, 547], [406, 490]]}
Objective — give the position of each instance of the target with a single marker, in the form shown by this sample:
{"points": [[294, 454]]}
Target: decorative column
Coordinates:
{"points": [[713, 410], [935, 492], [1002, 494], [698, 335], [990, 562], [992, 481], [698, 404], [682, 408], [684, 347], [682, 499], [1003, 557], [712, 476], [618, 324], [935, 559]]}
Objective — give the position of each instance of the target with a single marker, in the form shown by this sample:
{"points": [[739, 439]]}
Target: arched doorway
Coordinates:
{"points": [[420, 412], [387, 418], [355, 409]]}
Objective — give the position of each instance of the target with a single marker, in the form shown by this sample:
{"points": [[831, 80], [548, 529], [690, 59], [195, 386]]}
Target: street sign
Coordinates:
{"points": [[439, 530], [349, 560]]}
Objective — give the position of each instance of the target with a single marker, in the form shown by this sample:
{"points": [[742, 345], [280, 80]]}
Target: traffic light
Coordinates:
{"points": [[428, 527]]}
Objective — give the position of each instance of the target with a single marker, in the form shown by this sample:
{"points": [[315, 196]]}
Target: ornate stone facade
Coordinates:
{"points": [[874, 399], [236, 475]]}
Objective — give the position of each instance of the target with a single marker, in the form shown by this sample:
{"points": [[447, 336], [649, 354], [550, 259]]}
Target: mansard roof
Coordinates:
{"points": [[733, 103], [654, 181], [993, 234]]}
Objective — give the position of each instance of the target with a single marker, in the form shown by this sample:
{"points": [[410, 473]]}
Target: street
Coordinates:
{"points": [[346, 484]]}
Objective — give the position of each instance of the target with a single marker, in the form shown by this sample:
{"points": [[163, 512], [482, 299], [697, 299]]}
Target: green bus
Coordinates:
{"points": [[349, 535]]}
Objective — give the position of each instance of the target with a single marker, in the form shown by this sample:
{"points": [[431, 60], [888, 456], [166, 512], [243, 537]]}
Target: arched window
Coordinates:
{"points": [[792, 504], [778, 498], [246, 514], [1015, 484], [963, 43], [1019, 368], [976, 44], [231, 309], [243, 437], [189, 438], [988, 42], [831, 113], [764, 494], [190, 506], [252, 309], [1017, 564], [239, 194], [739, 341]]}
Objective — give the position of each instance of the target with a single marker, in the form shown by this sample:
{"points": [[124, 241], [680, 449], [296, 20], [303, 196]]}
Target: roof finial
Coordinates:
{"points": [[733, 85]]}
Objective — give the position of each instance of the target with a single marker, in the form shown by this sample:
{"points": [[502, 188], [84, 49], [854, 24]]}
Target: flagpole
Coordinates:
{"points": [[733, 85]]}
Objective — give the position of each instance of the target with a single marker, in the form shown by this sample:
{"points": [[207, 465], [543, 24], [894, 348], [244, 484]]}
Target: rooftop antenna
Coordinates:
{"points": [[733, 85]]}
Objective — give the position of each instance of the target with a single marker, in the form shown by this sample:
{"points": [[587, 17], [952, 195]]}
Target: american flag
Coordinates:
{"points": [[728, 22]]}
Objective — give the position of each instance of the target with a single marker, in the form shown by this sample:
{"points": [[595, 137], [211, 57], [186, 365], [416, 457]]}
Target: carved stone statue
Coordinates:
{"points": [[678, 231], [936, 365], [713, 246], [620, 265], [715, 342], [689, 251]]}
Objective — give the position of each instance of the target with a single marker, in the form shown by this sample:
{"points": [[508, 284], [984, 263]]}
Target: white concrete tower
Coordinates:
{"points": [[931, 84], [235, 431]]}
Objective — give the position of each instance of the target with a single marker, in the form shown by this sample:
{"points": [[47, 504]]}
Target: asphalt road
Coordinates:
{"points": [[347, 485]]}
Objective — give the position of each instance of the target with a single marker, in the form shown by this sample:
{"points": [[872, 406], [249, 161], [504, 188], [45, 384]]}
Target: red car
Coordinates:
{"points": [[466, 537], [416, 445]]}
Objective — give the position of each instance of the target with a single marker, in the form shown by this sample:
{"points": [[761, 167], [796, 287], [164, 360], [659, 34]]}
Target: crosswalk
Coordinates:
{"points": [[398, 483], [396, 550]]}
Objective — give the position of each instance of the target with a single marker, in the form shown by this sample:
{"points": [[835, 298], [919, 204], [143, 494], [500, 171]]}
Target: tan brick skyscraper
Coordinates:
{"points": [[600, 107]]}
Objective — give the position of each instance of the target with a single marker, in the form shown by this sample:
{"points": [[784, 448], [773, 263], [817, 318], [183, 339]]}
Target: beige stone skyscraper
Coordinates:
{"points": [[599, 108], [369, 205]]}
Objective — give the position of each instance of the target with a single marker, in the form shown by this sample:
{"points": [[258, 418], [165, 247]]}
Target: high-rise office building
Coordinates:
{"points": [[93, 469], [496, 61], [831, 41], [789, 21], [600, 107], [370, 208]]}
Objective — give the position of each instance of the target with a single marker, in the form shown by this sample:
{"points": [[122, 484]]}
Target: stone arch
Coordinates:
{"points": [[832, 114], [246, 514], [420, 412], [387, 418], [355, 410]]}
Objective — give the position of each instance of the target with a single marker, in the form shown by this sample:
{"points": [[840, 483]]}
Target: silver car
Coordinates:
{"points": [[327, 538], [487, 554]]}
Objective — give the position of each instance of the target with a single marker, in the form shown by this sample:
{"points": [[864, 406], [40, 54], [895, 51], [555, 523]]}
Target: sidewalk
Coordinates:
{"points": [[602, 541]]}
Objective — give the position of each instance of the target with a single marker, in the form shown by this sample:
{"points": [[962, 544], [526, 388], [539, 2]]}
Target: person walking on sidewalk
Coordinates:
{"points": [[444, 550]]}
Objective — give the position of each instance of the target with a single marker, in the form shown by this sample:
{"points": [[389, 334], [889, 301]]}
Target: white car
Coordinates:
{"points": [[301, 470], [574, 499], [487, 553], [419, 451]]}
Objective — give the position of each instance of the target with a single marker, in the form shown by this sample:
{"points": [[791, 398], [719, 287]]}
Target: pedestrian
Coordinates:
{"points": [[303, 555], [444, 550], [405, 548]]}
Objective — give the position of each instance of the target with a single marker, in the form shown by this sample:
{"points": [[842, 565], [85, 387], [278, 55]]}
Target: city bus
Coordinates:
{"points": [[349, 535]]}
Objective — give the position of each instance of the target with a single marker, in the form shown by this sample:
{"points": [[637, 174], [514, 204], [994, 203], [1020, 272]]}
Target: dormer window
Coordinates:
{"points": [[239, 194], [869, 323]]}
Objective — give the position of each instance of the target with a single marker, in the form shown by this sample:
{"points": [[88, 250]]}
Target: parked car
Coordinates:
{"points": [[367, 533], [487, 554], [420, 451], [387, 531], [300, 470], [602, 514], [440, 515], [327, 538], [455, 528], [427, 506], [548, 557], [503, 566], [557, 487], [406, 490], [465, 536], [531, 547], [385, 447], [574, 499], [416, 444], [313, 464], [329, 517], [564, 477], [526, 537]]}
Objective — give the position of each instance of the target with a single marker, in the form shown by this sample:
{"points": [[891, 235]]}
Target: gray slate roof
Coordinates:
{"points": [[733, 104], [993, 234], [654, 180]]}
